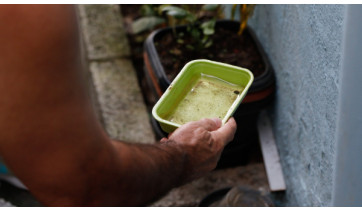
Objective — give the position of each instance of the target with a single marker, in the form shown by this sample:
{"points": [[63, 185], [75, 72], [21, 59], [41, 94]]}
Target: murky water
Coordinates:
{"points": [[210, 97]]}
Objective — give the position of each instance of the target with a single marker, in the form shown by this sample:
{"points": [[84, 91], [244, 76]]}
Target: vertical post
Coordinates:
{"points": [[348, 170]]}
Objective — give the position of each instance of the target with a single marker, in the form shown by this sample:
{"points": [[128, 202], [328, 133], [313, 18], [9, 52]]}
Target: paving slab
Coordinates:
{"points": [[113, 81], [121, 104], [102, 28]]}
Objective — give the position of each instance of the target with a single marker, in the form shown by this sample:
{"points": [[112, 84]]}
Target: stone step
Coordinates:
{"points": [[111, 75]]}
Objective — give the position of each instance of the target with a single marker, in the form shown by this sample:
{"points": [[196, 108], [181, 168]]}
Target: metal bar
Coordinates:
{"points": [[270, 154]]}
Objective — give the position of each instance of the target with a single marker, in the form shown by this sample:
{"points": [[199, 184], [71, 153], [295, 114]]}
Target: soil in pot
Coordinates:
{"points": [[226, 48]]}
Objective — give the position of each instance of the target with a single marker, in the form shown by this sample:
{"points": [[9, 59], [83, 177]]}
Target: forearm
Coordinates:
{"points": [[112, 173], [147, 171], [49, 136]]}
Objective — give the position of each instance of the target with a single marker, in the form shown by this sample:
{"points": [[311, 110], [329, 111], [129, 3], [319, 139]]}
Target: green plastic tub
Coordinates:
{"points": [[203, 89]]}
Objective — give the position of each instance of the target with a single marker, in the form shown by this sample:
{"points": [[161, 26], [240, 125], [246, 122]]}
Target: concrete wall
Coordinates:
{"points": [[304, 45]]}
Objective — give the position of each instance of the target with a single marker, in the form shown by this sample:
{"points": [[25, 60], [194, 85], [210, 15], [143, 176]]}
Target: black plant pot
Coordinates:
{"points": [[260, 94], [262, 86]]}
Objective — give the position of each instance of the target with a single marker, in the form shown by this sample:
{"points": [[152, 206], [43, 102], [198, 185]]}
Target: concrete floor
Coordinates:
{"points": [[252, 176]]}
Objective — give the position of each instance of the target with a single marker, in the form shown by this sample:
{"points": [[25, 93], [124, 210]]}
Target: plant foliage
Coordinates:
{"points": [[199, 28], [199, 31]]}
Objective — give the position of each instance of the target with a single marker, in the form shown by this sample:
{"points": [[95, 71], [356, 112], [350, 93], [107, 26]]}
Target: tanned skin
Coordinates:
{"points": [[50, 136]]}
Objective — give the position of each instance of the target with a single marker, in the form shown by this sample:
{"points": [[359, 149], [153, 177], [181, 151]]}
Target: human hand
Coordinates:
{"points": [[201, 142]]}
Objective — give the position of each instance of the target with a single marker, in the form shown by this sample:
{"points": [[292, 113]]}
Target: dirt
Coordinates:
{"points": [[227, 47]]}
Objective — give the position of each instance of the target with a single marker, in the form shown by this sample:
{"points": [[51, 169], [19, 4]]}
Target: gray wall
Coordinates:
{"points": [[304, 45]]}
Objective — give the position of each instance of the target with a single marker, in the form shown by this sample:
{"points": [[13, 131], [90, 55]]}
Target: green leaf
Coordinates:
{"points": [[160, 8], [208, 27], [180, 41], [205, 39], [210, 7], [146, 23], [174, 11], [188, 46], [195, 33], [208, 31], [191, 18], [147, 10], [208, 44]]}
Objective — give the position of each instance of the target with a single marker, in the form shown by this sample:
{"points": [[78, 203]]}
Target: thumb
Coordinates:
{"points": [[225, 133]]}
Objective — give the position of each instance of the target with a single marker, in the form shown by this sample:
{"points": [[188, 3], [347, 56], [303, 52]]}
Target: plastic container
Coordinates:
{"points": [[189, 75]]}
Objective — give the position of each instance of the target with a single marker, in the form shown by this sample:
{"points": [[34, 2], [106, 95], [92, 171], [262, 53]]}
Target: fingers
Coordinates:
{"points": [[209, 124], [163, 140], [225, 133]]}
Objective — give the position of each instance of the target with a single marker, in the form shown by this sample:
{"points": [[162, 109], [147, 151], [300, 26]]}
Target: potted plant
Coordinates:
{"points": [[168, 49]]}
